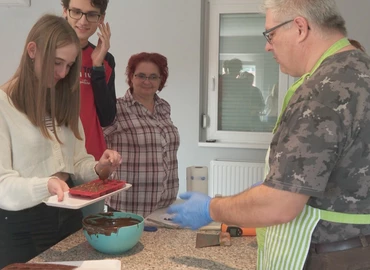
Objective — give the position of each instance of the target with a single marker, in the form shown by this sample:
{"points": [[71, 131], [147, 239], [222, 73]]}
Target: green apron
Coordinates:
{"points": [[286, 246]]}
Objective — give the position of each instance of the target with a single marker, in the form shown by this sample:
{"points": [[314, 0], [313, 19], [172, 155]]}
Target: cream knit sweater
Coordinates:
{"points": [[28, 159]]}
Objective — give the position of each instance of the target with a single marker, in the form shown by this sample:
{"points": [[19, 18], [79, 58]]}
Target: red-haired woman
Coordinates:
{"points": [[143, 133]]}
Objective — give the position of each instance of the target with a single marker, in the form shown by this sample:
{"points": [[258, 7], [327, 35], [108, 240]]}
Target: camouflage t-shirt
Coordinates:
{"points": [[322, 146]]}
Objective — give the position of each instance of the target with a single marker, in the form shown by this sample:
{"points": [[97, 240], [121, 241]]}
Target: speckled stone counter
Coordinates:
{"points": [[163, 249]]}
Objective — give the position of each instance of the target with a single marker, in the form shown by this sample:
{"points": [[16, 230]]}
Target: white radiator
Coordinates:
{"points": [[231, 177]]}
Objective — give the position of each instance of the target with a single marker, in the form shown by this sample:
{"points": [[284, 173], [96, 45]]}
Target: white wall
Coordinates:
{"points": [[356, 14], [172, 28]]}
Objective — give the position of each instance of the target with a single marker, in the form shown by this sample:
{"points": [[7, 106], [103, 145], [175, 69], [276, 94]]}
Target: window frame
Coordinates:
{"points": [[209, 126]]}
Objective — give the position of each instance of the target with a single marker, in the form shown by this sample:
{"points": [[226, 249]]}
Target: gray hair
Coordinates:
{"points": [[323, 13]]}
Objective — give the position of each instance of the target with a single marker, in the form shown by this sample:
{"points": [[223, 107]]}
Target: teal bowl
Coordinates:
{"points": [[113, 232]]}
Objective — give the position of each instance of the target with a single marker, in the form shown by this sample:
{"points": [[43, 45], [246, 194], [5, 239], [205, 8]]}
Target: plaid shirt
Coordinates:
{"points": [[148, 143]]}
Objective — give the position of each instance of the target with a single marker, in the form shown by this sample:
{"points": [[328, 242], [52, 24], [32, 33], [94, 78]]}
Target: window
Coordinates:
{"points": [[245, 87]]}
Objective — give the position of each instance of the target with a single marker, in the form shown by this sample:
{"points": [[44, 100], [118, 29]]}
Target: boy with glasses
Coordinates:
{"points": [[98, 95]]}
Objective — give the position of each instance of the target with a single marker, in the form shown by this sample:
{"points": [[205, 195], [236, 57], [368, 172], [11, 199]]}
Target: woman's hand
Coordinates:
{"points": [[57, 187], [109, 161]]}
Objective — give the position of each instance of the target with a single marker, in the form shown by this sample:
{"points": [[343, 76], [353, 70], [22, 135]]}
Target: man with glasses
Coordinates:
{"points": [[314, 203], [98, 94]]}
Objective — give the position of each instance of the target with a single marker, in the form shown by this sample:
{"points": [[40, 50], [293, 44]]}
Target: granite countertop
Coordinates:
{"points": [[163, 249]]}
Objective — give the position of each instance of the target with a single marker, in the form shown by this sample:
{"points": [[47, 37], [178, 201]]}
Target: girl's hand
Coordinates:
{"points": [[57, 187], [109, 161]]}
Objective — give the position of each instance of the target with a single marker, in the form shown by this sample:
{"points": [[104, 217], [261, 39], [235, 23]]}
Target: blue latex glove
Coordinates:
{"points": [[193, 213]]}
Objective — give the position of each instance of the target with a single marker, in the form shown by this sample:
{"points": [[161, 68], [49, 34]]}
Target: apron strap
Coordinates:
{"points": [[344, 217]]}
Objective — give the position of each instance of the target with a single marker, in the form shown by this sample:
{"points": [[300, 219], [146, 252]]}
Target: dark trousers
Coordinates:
{"points": [[27, 233], [351, 259]]}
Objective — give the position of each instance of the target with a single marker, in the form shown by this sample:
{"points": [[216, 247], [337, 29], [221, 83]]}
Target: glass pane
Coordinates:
{"points": [[248, 76]]}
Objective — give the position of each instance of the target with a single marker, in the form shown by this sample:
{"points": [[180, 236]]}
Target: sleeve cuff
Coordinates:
{"points": [[100, 68], [94, 169], [40, 189]]}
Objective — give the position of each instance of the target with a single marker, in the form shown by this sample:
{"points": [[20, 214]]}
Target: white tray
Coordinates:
{"points": [[76, 202], [97, 264]]}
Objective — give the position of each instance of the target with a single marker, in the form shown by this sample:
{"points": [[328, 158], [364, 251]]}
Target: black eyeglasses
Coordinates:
{"points": [[151, 78], [267, 33], [90, 16]]}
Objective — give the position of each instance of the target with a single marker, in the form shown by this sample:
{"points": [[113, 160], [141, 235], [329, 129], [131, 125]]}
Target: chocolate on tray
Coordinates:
{"points": [[97, 188]]}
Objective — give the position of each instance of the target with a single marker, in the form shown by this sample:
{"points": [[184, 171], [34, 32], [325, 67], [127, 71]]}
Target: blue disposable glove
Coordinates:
{"points": [[193, 213]]}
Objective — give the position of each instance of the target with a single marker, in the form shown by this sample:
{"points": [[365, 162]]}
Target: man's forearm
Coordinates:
{"points": [[258, 207]]}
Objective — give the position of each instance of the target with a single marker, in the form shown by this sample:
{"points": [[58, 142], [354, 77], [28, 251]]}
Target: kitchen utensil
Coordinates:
{"points": [[212, 239], [150, 228], [113, 232], [236, 231]]}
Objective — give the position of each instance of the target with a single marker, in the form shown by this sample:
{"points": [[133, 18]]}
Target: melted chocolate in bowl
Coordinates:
{"points": [[106, 223]]}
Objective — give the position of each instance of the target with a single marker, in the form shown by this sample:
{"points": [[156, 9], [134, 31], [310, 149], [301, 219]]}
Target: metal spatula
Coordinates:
{"points": [[212, 239]]}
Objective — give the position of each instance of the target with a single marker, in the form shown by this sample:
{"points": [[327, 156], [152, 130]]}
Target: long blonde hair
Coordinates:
{"points": [[37, 97]]}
